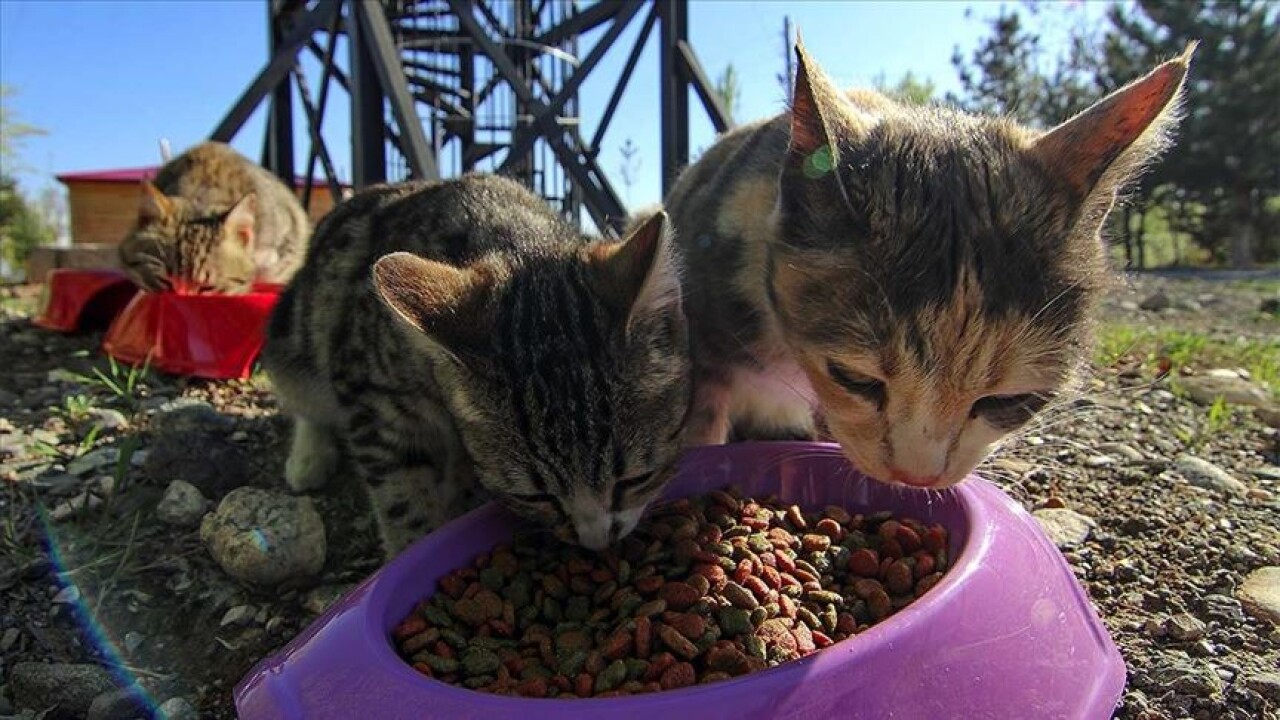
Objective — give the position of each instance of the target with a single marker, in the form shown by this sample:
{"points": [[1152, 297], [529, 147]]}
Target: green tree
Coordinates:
{"points": [[909, 89], [12, 133], [21, 226], [729, 89]]}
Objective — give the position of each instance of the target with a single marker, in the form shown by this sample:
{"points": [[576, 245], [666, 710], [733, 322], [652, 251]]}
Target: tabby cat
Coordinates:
{"points": [[212, 221], [445, 331], [922, 277]]}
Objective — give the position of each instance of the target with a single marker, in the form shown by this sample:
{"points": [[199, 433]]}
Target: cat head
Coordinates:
{"points": [[934, 272], [567, 374], [176, 245]]}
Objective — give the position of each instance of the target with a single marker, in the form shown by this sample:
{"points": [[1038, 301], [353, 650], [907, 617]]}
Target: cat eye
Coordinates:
{"points": [[1009, 411], [856, 383]]}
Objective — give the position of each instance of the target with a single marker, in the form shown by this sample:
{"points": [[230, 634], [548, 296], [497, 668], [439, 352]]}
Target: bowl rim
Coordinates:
{"points": [[967, 560]]}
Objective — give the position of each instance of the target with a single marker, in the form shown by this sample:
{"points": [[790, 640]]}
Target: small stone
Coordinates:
{"points": [[67, 595], [1222, 608], [119, 704], [182, 504], [317, 600], [1194, 677], [1266, 684], [1184, 627], [9, 639], [265, 537], [1260, 594], [1122, 451], [238, 615], [1206, 389], [1204, 474], [1097, 461], [1270, 306], [71, 686], [178, 708], [92, 460], [1155, 301], [1066, 528], [109, 419], [1153, 628], [133, 640]]}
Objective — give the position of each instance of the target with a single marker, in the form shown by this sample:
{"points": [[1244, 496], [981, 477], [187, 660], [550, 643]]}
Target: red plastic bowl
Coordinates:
{"points": [[209, 336], [83, 299]]}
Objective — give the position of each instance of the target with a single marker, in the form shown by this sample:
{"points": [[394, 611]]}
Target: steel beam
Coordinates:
{"points": [[279, 158], [674, 91], [368, 136]]}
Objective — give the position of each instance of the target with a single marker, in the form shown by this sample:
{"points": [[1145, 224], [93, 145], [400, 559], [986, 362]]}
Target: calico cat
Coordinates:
{"points": [[212, 221], [922, 277], [445, 331]]}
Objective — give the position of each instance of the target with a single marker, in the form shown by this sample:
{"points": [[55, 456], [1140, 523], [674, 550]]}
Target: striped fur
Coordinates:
{"points": [[919, 277], [442, 333], [212, 221]]}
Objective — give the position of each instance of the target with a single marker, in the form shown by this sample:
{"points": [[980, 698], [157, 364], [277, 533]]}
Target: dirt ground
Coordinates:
{"points": [[89, 574]]}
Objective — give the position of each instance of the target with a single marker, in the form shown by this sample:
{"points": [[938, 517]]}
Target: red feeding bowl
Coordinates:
{"points": [[209, 336], [83, 299]]}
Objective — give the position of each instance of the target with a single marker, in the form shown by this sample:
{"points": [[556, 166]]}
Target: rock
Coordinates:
{"points": [[265, 537], [1205, 474], [1156, 301], [1066, 528], [9, 639], [182, 504], [67, 595], [1189, 677], [177, 708], [238, 615], [119, 704], [1206, 389], [1269, 414], [1184, 627], [320, 599], [206, 460], [133, 640], [72, 687], [1222, 608], [1122, 451], [1097, 461], [184, 416], [1270, 306], [1260, 594], [90, 461], [1266, 684], [109, 419]]}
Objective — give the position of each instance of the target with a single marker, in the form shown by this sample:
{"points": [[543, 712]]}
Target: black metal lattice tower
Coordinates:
{"points": [[442, 87]]}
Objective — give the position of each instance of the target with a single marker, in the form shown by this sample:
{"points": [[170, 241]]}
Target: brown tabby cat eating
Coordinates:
{"points": [[212, 221], [924, 277], [443, 333]]}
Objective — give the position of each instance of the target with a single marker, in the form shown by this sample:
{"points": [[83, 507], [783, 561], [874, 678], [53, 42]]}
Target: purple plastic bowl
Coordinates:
{"points": [[1008, 633]]}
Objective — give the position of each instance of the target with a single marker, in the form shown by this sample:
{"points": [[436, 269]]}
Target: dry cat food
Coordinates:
{"points": [[703, 590]]}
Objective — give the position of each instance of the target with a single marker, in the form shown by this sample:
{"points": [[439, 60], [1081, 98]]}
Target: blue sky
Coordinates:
{"points": [[108, 78]]}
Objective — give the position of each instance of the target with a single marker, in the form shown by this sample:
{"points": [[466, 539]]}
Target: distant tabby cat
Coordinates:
{"points": [[441, 331], [922, 276], [212, 221]]}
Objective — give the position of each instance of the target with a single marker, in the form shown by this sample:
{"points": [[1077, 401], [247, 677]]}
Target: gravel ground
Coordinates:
{"points": [[1166, 509]]}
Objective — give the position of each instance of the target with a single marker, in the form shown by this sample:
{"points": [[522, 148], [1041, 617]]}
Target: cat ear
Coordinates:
{"points": [[811, 100], [637, 276], [445, 303], [153, 204], [242, 218], [1113, 138]]}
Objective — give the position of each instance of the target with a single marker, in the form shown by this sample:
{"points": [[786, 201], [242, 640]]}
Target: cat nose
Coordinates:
{"points": [[901, 476]]}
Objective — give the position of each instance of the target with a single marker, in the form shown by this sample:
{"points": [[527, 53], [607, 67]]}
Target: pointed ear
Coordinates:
{"points": [[241, 220], [447, 304], [153, 204], [637, 276], [1116, 136], [810, 100]]}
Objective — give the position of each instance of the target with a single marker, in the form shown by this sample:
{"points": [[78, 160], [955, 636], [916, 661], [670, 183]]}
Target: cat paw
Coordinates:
{"points": [[312, 459]]}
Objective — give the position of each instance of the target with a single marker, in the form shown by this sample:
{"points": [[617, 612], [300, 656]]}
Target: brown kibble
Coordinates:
{"points": [[864, 587], [649, 584], [533, 687], [757, 587], [796, 518], [618, 645], [830, 528], [927, 582], [924, 564], [643, 636], [879, 604], [935, 539], [888, 529], [452, 585], [815, 543], [659, 665], [424, 668], [411, 626], [899, 578], [679, 595], [864, 562], [909, 539], [678, 676], [678, 643], [689, 625], [583, 684], [714, 574]]}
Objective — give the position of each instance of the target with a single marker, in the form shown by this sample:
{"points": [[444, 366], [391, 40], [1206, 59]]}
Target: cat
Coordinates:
{"points": [[916, 282], [213, 222], [443, 333]]}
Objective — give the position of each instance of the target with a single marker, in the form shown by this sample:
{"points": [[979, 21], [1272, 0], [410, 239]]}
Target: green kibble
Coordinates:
{"points": [[636, 668], [600, 615], [807, 617], [605, 591], [551, 609], [526, 616], [754, 647], [492, 643], [722, 548], [629, 607], [734, 621], [578, 608], [581, 585], [453, 638], [534, 669], [759, 542], [478, 681], [758, 616], [651, 608], [611, 677], [824, 597], [442, 664], [572, 663], [479, 661], [792, 591], [553, 587], [624, 572], [519, 591], [492, 578], [829, 618], [437, 616]]}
